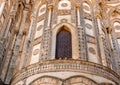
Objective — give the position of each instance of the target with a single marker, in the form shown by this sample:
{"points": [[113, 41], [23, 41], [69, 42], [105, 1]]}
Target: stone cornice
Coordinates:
{"points": [[67, 65]]}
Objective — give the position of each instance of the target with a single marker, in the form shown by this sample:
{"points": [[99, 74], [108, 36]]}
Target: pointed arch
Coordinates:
{"points": [[74, 39]]}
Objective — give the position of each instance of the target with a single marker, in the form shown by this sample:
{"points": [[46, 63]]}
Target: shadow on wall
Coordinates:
{"points": [[1, 83]]}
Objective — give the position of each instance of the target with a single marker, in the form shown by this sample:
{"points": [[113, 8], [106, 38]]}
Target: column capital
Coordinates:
{"points": [[98, 16], [50, 7], [77, 5], [32, 17]]}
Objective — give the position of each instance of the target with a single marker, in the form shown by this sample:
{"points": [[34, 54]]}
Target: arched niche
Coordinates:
{"points": [[39, 29], [47, 81], [115, 30], [74, 41], [89, 27], [35, 54], [42, 10], [116, 26]]}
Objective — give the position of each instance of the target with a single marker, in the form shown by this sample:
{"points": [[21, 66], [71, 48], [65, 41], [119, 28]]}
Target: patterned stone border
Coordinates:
{"points": [[67, 65]]}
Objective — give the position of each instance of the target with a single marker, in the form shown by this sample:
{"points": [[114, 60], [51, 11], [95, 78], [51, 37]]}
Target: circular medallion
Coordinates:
{"points": [[36, 51], [117, 27], [64, 4], [92, 50], [43, 9], [88, 26], [39, 27]]}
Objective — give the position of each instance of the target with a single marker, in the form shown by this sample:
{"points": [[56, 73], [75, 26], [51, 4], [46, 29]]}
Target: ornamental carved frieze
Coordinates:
{"points": [[64, 12], [66, 65]]}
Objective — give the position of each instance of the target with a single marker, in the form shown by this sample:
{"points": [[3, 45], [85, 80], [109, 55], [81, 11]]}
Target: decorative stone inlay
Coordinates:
{"points": [[117, 27], [69, 66], [92, 50], [40, 27], [64, 4], [43, 9], [64, 12], [36, 51], [88, 26]]}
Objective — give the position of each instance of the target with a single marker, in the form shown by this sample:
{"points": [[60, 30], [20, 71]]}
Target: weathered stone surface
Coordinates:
{"points": [[28, 33]]}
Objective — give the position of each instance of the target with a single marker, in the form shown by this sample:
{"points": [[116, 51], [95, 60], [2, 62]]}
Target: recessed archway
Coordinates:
{"points": [[74, 39]]}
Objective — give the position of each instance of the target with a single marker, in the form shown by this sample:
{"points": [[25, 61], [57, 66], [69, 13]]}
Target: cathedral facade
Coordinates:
{"points": [[59, 42]]}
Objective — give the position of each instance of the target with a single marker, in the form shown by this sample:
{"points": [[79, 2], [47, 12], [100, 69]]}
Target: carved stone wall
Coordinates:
{"points": [[28, 30]]}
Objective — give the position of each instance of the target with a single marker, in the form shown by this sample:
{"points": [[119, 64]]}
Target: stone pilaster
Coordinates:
{"points": [[46, 42], [16, 48], [81, 34], [100, 36], [96, 28]]}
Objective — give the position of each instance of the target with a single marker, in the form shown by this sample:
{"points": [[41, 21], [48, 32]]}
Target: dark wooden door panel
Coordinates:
{"points": [[63, 44]]}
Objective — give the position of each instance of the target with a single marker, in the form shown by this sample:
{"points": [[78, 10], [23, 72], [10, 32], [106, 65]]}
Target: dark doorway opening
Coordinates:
{"points": [[63, 44]]}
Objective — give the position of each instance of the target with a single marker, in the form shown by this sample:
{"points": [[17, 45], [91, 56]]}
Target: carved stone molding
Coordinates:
{"points": [[69, 66]]}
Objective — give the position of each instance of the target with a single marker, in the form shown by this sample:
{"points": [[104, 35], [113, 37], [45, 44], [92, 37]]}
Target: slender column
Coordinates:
{"points": [[49, 15], [99, 25], [2, 7], [78, 15], [100, 35], [8, 27]]}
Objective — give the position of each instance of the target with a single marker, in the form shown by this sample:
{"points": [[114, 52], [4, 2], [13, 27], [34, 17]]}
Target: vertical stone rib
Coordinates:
{"points": [[16, 48]]}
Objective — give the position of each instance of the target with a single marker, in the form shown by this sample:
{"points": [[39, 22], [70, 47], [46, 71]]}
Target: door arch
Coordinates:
{"points": [[63, 44], [74, 35]]}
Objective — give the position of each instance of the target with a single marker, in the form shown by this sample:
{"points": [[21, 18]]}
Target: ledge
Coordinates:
{"points": [[69, 66]]}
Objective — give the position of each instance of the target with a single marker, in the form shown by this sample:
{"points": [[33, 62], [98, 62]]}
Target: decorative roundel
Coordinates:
{"points": [[40, 27], [117, 27], [43, 9], [36, 51], [64, 4], [92, 50], [86, 8], [88, 26]]}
